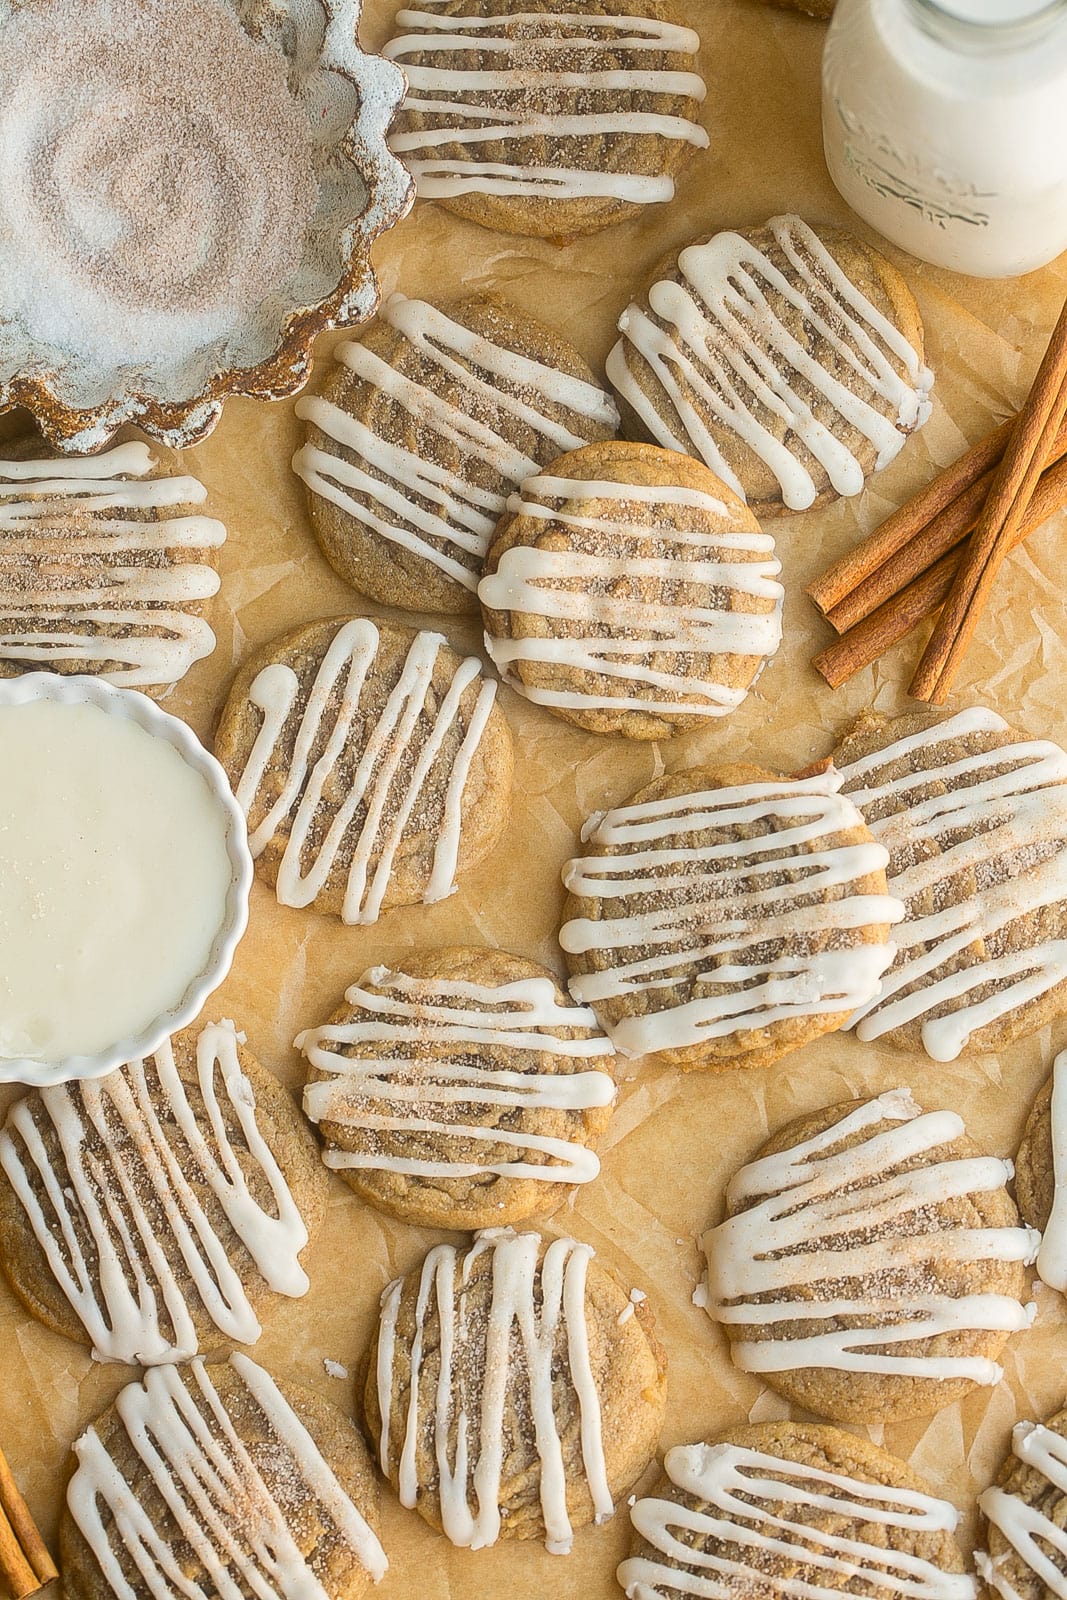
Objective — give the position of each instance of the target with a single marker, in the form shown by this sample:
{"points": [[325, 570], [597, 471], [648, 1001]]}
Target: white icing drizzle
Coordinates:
{"points": [[70, 559], [576, 586], [402, 1074], [809, 1223], [229, 1502], [757, 1502], [127, 1287], [1008, 831], [532, 1306], [1052, 1257], [722, 356], [511, 100], [444, 515], [381, 788], [1033, 1535], [700, 910]]}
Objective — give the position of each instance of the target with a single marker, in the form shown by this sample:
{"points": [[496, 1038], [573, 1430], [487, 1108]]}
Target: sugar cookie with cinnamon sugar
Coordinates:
{"points": [[812, 1510], [726, 915], [555, 1369], [371, 762], [789, 358], [460, 1089], [871, 1263], [1024, 1514], [544, 117], [424, 427], [629, 591]]}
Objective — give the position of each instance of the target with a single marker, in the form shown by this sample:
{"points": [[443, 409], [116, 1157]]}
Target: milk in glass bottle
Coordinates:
{"points": [[945, 127]]}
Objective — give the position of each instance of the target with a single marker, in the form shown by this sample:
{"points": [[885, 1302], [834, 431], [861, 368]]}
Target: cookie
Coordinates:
{"points": [[426, 424], [544, 117], [629, 591], [870, 1266], [157, 1211], [974, 816], [1041, 1175], [789, 358], [217, 1480], [460, 1090], [371, 762], [725, 916], [789, 1508], [105, 563], [1024, 1514], [553, 1369]]}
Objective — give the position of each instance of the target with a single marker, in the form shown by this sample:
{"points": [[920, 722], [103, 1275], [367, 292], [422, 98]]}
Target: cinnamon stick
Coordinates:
{"points": [[25, 1563], [944, 533], [1030, 446], [908, 520], [894, 619]]}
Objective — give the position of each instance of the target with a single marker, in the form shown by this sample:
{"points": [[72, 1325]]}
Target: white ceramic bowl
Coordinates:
{"points": [[139, 709]]}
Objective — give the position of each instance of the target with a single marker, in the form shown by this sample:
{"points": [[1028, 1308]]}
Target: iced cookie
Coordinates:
{"points": [[871, 1261], [974, 816], [425, 426], [105, 564], [371, 762], [553, 1371], [790, 1508], [217, 1480], [544, 117], [788, 358], [1041, 1175], [726, 915], [157, 1211], [1025, 1513], [631, 592], [461, 1090]]}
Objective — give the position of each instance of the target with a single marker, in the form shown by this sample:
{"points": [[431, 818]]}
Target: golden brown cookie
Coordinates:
{"points": [[974, 816], [629, 591], [544, 117], [1024, 1514], [461, 1089], [556, 1371], [425, 425], [789, 358], [726, 915], [105, 564], [371, 762], [870, 1266], [813, 1510], [822, 9], [156, 1212], [240, 1484]]}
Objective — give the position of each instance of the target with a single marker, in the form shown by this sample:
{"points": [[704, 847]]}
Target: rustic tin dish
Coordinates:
{"points": [[349, 99]]}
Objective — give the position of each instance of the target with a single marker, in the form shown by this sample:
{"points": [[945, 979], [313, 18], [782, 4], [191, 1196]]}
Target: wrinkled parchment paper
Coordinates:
{"points": [[675, 1139]]}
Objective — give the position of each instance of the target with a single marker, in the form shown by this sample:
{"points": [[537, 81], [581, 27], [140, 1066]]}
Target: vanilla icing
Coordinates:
{"points": [[114, 873]]}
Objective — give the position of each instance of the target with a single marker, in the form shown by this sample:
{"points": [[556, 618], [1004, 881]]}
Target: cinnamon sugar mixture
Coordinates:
{"points": [[158, 176]]}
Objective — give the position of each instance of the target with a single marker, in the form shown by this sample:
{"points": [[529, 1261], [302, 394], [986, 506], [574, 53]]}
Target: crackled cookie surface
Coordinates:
{"points": [[1041, 1175], [544, 117], [791, 1508], [371, 763], [789, 358], [870, 1265], [155, 1212], [1024, 1514], [461, 1089], [529, 1353], [105, 563], [629, 591], [974, 816], [425, 425], [242, 1485], [726, 915]]}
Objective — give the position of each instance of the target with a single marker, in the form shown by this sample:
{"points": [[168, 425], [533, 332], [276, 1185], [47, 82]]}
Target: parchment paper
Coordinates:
{"points": [[674, 1139]]}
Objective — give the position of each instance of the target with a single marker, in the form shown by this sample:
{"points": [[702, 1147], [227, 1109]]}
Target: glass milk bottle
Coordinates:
{"points": [[945, 127]]}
